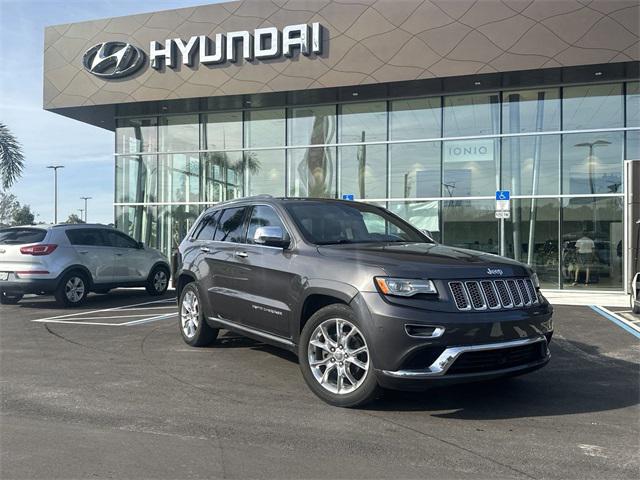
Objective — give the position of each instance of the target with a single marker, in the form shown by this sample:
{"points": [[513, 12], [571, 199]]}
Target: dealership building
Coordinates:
{"points": [[425, 107]]}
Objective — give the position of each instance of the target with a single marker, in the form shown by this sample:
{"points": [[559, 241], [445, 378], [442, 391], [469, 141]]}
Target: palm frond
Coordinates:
{"points": [[11, 158]]}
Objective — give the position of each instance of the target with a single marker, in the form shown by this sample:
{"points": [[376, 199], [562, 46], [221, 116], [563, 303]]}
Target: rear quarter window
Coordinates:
{"points": [[20, 236]]}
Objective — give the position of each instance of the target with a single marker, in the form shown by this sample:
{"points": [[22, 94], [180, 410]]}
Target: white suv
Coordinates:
{"points": [[72, 260]]}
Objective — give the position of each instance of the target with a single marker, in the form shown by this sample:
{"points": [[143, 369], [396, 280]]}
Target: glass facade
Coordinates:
{"points": [[435, 161]]}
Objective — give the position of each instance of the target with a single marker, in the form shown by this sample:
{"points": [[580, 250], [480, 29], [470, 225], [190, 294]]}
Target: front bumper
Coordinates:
{"points": [[400, 358]]}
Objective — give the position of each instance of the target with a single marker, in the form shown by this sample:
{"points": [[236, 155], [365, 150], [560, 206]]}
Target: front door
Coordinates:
{"points": [[130, 263]]}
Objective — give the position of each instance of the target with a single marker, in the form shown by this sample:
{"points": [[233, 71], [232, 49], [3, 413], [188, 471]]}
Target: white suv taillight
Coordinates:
{"points": [[39, 249]]}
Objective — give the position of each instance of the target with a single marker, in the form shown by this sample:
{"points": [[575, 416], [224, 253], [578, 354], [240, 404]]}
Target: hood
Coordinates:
{"points": [[426, 260]]}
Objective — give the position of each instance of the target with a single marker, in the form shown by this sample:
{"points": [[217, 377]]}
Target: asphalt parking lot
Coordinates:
{"points": [[112, 391]]}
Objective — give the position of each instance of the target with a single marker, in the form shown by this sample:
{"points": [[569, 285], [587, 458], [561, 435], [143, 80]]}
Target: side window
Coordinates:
{"points": [[231, 225], [91, 237], [120, 240], [207, 227], [263, 216]]}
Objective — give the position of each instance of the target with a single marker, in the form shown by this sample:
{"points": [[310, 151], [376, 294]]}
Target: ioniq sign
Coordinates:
{"points": [[111, 60]]}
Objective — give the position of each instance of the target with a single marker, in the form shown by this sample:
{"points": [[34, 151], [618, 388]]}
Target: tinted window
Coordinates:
{"points": [[18, 236], [120, 240], [231, 225], [262, 216], [207, 227], [86, 236], [333, 223]]}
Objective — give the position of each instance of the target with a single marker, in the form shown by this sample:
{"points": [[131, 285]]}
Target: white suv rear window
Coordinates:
{"points": [[21, 236]]}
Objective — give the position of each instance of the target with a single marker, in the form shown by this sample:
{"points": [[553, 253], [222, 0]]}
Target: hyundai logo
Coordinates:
{"points": [[494, 271], [113, 59]]}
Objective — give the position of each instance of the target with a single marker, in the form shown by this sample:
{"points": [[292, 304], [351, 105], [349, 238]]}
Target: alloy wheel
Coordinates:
{"points": [[74, 289], [190, 314], [160, 280], [338, 356]]}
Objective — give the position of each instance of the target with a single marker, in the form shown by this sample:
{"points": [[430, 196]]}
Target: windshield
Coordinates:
{"points": [[20, 236], [330, 223]]}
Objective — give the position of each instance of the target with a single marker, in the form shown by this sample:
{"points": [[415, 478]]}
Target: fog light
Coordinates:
{"points": [[424, 331]]}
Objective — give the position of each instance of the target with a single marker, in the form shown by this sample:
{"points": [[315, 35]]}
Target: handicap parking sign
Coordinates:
{"points": [[503, 195]]}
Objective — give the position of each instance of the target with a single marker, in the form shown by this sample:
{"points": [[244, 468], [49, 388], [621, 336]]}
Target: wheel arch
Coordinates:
{"points": [[183, 279], [73, 268]]}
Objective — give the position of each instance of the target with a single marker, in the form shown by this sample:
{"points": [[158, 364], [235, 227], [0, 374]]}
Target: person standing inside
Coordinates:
{"points": [[584, 249]]}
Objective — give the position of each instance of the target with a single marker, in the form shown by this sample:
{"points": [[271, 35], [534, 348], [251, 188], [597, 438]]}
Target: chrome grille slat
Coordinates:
{"points": [[481, 295]]}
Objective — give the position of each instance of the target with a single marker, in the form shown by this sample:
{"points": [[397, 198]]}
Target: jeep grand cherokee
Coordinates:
{"points": [[364, 299]]}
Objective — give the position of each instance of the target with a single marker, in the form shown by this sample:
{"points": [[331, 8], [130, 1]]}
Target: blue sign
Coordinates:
{"points": [[348, 196], [502, 195]]}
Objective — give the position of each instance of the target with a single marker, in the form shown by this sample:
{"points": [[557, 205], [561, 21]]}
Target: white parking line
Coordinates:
{"points": [[81, 318]]}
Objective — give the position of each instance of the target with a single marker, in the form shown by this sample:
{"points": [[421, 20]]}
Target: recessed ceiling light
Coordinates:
{"points": [[477, 83], [598, 74], [164, 107], [354, 94]]}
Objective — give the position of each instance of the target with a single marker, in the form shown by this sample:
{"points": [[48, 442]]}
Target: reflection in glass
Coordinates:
{"points": [[173, 224], [363, 122], [264, 128], [137, 135], [312, 125], [531, 110], [633, 145], [476, 114], [415, 169], [530, 165], [222, 131], [363, 171], [633, 105], [140, 222], [422, 215], [531, 236], [470, 167], [312, 172], [265, 172], [592, 235], [592, 106], [179, 133], [222, 176], [592, 163], [136, 179], [470, 224], [415, 118], [180, 177]]}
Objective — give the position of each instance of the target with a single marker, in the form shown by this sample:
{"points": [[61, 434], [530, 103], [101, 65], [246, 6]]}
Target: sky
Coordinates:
{"points": [[47, 138]]}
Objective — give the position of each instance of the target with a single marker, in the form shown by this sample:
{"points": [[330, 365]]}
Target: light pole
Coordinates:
{"points": [[81, 210], [55, 191], [85, 207]]}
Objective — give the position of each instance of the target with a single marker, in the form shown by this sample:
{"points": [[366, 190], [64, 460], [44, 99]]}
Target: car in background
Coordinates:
{"points": [[69, 261]]}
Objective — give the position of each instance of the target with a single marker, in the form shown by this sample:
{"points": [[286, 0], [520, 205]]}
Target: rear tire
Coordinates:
{"points": [[10, 299], [72, 290], [342, 374], [193, 327], [158, 281]]}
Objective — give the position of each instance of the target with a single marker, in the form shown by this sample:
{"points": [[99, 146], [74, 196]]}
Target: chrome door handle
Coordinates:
{"points": [[205, 249], [241, 254], [83, 251]]}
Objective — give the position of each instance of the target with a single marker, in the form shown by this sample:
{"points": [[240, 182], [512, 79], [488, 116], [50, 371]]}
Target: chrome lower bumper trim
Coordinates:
{"points": [[451, 354]]}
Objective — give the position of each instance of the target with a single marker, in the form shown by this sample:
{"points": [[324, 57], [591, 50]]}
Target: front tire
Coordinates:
{"points": [[158, 281], [72, 290], [335, 359], [194, 329], [10, 299]]}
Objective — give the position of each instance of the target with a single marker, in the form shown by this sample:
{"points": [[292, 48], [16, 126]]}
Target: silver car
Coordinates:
{"points": [[70, 261]]}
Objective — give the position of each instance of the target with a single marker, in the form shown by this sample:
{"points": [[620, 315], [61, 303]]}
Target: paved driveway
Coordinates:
{"points": [[82, 397]]}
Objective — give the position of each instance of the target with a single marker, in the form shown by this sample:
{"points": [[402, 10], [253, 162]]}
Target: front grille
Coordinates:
{"points": [[493, 294], [499, 359]]}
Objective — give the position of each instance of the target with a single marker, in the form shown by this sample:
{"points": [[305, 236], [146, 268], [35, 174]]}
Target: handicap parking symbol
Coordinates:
{"points": [[503, 195]]}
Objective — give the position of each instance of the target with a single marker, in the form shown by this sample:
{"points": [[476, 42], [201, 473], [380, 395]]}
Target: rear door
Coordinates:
{"points": [[93, 252], [130, 262], [226, 273]]}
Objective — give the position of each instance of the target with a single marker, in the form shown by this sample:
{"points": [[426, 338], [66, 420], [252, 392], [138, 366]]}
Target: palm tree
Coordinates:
{"points": [[11, 158]]}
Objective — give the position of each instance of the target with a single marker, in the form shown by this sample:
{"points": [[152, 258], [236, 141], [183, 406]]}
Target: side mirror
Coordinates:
{"points": [[271, 237], [140, 245]]}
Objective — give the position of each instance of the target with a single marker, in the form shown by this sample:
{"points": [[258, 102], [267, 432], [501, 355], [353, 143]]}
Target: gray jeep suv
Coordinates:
{"points": [[363, 298]]}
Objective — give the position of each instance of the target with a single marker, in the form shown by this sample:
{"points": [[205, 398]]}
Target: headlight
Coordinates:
{"points": [[535, 280], [404, 287]]}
